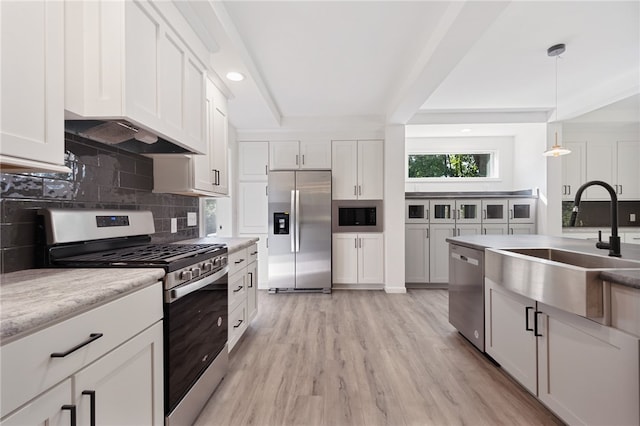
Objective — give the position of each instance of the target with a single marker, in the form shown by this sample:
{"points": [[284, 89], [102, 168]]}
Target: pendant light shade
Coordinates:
{"points": [[556, 150]]}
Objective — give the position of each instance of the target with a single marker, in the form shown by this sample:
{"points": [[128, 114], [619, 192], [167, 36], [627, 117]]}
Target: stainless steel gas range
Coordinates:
{"points": [[195, 293]]}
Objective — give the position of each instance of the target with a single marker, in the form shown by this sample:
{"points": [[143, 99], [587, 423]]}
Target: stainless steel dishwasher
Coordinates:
{"points": [[466, 292]]}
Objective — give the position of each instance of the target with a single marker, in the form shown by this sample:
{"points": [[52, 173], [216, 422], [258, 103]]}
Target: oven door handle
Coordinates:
{"points": [[190, 288]]}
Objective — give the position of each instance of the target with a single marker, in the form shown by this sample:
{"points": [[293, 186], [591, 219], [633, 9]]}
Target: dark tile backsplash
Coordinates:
{"points": [[101, 177], [598, 213]]}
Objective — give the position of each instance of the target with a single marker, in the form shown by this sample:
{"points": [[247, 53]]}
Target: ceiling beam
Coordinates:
{"points": [[460, 27]]}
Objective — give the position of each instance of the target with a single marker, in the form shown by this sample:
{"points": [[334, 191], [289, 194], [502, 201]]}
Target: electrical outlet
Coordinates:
{"points": [[192, 219], [174, 225], [632, 217]]}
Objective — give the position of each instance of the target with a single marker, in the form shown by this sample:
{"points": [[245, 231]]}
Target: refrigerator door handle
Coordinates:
{"points": [[293, 212], [297, 219]]}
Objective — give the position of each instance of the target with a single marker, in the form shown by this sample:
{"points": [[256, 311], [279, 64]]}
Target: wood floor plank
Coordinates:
{"points": [[364, 358]]}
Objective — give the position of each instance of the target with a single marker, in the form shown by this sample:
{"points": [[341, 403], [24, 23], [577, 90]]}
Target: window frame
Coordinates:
{"points": [[493, 165]]}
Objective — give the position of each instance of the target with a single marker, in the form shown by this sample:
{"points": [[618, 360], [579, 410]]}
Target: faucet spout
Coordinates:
{"points": [[614, 240]]}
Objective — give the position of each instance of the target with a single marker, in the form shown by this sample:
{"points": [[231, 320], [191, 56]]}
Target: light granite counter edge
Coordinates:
{"points": [[233, 243], [34, 299]]}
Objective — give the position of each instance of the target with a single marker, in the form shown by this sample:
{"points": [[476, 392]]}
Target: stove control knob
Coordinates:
{"points": [[207, 266], [216, 261], [196, 272], [186, 275]]}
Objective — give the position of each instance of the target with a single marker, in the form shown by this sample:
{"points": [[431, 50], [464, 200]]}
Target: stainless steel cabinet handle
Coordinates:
{"points": [[526, 318], [355, 241], [427, 233], [355, 189], [238, 261], [296, 160], [266, 169], [250, 279], [72, 410], [238, 289], [510, 213], [359, 189], [620, 189], [511, 231], [303, 159], [238, 324], [92, 337], [484, 214], [360, 242], [568, 189], [427, 214], [92, 406]]}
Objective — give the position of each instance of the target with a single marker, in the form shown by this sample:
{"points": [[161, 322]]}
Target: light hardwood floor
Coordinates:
{"points": [[364, 358]]}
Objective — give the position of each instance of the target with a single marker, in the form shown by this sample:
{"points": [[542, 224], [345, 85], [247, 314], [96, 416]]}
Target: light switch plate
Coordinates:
{"points": [[174, 225], [192, 219]]}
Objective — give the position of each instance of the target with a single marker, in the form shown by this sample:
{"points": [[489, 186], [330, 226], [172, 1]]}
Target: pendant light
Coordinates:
{"points": [[556, 150]]}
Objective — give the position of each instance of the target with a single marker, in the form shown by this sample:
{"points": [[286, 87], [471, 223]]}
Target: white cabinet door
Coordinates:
{"points": [[468, 212], [573, 169], [468, 229], [315, 154], [253, 161], [370, 259], [601, 158], [127, 383], [628, 171], [171, 74], [370, 170], [195, 90], [284, 155], [416, 249], [344, 170], [32, 80], [588, 373], [442, 211], [509, 333], [439, 252], [345, 258], [522, 211], [253, 205], [46, 409], [495, 212], [219, 159]]}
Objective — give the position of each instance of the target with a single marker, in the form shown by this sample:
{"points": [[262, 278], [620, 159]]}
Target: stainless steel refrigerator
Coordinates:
{"points": [[299, 231]]}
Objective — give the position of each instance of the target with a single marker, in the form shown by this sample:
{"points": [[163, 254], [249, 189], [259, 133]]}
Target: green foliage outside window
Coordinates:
{"points": [[210, 226], [448, 165]]}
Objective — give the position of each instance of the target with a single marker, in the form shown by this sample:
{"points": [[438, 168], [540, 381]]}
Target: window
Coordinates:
{"points": [[209, 223], [450, 165]]}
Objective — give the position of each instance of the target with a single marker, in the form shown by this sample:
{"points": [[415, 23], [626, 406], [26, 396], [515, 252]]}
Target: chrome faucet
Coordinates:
{"points": [[614, 240]]}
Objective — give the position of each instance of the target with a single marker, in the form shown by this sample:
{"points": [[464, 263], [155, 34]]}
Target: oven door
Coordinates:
{"points": [[195, 331]]}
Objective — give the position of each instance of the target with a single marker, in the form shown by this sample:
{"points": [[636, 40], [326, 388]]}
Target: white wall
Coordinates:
{"points": [[394, 209]]}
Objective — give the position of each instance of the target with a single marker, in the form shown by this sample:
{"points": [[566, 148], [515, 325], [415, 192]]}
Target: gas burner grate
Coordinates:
{"points": [[152, 253]]}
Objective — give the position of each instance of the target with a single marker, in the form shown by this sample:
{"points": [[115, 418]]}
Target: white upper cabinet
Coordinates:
{"points": [[253, 161], [311, 154], [628, 170], [124, 60], [205, 174], [615, 163], [32, 79], [573, 169], [357, 170]]}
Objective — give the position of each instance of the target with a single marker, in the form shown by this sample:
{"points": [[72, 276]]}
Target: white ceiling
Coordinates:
{"points": [[397, 61]]}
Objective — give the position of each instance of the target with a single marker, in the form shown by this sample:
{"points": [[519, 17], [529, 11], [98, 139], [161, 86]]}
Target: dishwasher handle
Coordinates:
{"points": [[466, 259]]}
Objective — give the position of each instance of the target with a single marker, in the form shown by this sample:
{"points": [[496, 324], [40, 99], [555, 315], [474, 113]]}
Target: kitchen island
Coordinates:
{"points": [[584, 367]]}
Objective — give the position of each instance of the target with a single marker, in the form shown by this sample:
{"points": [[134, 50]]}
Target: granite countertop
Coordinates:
{"points": [[33, 299], [233, 243], [622, 276]]}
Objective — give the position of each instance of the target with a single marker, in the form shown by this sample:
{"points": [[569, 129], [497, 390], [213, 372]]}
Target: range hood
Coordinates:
{"points": [[124, 135]]}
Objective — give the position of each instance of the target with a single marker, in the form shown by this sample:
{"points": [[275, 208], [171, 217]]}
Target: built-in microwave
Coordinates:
{"points": [[416, 211], [356, 215]]}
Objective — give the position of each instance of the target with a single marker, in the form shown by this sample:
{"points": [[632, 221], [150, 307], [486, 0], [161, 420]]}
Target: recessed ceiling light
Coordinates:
{"points": [[465, 130], [235, 76]]}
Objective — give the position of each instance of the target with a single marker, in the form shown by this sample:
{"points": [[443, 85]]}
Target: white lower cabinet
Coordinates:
{"points": [[439, 252], [119, 367], [47, 409], [495, 229], [585, 372], [243, 292], [416, 247], [522, 228], [358, 258], [509, 337]]}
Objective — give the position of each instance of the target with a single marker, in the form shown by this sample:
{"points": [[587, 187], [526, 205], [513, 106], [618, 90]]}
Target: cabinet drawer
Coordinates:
{"points": [[237, 324], [28, 368], [252, 253], [237, 289], [237, 261]]}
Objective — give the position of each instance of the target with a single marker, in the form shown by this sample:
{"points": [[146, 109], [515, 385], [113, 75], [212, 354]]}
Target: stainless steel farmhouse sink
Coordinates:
{"points": [[564, 279]]}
